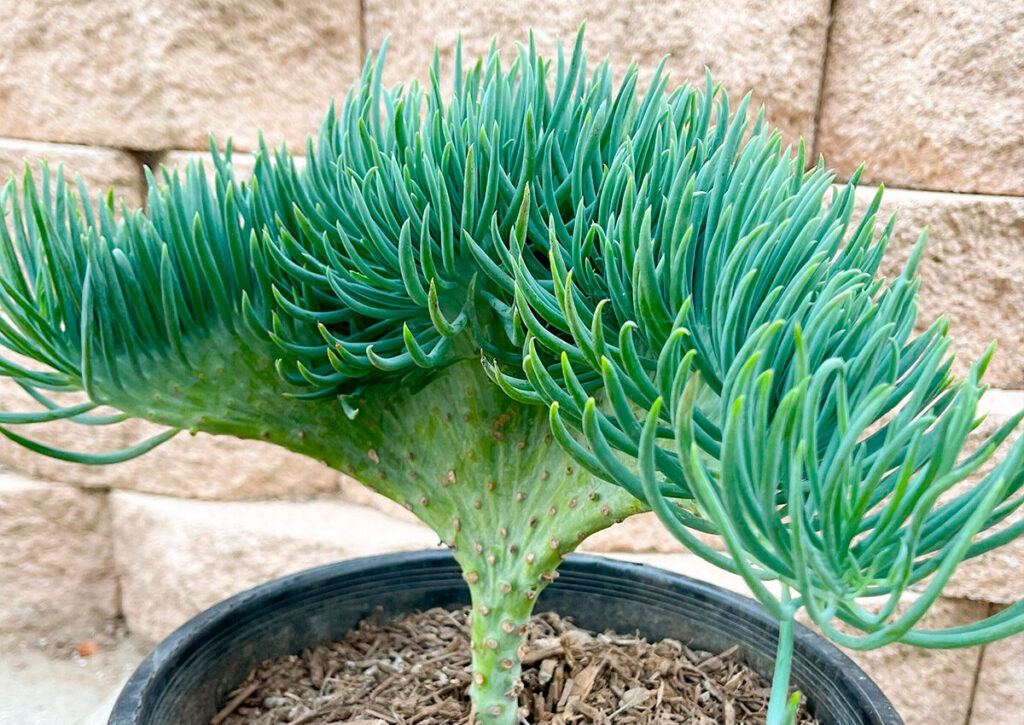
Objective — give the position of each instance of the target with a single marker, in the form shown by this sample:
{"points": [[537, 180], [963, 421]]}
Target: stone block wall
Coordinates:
{"points": [[929, 96]]}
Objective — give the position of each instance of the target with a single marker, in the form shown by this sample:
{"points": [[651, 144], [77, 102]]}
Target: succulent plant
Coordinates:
{"points": [[525, 313]]}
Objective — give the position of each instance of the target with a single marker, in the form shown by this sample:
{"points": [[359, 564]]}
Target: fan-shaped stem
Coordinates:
{"points": [[480, 469]]}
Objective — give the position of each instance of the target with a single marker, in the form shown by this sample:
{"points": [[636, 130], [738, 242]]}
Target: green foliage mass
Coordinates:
{"points": [[692, 309]]}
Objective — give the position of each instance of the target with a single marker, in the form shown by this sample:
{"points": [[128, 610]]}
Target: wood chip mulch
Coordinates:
{"points": [[417, 671]]}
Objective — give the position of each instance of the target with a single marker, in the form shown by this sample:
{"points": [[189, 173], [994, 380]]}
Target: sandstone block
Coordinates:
{"points": [[100, 168], [176, 557], [999, 699], [972, 270], [775, 49], [642, 533], [146, 74], [242, 162], [56, 560], [929, 94], [692, 566], [201, 466], [356, 493]]}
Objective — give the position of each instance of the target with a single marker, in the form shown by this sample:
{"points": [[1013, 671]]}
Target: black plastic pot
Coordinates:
{"points": [[187, 677]]}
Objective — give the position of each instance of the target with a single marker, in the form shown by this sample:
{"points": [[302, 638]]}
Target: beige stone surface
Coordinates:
{"points": [[149, 74], [354, 492], [776, 48], [929, 94], [642, 533], [972, 270], [43, 684], [100, 168], [692, 566], [1000, 695], [176, 557], [201, 466], [56, 561], [241, 161]]}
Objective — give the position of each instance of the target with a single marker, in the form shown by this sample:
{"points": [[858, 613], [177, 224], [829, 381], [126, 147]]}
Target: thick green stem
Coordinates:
{"points": [[499, 624], [782, 707]]}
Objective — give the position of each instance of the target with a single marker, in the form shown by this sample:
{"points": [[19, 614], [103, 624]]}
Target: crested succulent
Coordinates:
{"points": [[667, 314]]}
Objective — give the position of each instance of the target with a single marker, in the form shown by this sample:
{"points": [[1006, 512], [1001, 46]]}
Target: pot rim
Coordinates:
{"points": [[177, 647]]}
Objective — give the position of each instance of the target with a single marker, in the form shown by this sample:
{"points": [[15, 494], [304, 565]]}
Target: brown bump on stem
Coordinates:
{"points": [[552, 511], [424, 501], [507, 627], [520, 497], [265, 435], [478, 678], [350, 469], [503, 532], [450, 477], [605, 511], [407, 505], [507, 664], [413, 475], [411, 456], [478, 547], [491, 485], [504, 587], [477, 504], [456, 524], [514, 549], [530, 594], [484, 609], [372, 453], [301, 435], [491, 558], [382, 475], [495, 710], [472, 577], [553, 544], [533, 521], [544, 475], [499, 435], [521, 445], [530, 557], [465, 417], [572, 502], [568, 470], [580, 536], [592, 496], [491, 643], [447, 417]]}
